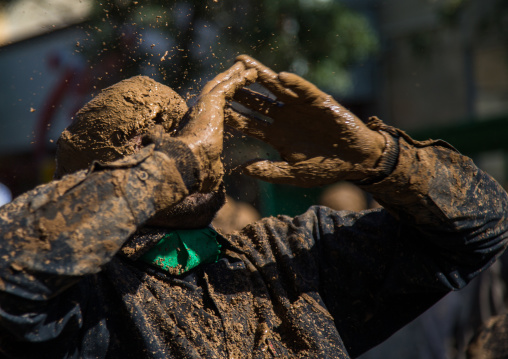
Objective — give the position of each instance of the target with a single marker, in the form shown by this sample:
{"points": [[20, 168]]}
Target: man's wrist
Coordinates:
{"points": [[386, 162]]}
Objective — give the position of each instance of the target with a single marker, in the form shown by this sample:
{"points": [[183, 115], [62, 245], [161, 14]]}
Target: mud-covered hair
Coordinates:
{"points": [[110, 126]]}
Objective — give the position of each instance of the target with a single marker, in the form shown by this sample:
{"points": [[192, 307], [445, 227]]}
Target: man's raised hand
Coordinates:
{"points": [[203, 127], [319, 141]]}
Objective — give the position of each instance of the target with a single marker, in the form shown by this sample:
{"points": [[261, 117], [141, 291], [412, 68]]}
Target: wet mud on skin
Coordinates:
{"points": [[203, 130]]}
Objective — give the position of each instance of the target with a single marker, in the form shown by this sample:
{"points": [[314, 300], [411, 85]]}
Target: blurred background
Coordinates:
{"points": [[434, 68]]}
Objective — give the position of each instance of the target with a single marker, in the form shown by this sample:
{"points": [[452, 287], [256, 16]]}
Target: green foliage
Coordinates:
{"points": [[317, 39]]}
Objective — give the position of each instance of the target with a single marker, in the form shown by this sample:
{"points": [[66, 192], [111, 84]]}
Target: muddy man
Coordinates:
{"points": [[115, 258]]}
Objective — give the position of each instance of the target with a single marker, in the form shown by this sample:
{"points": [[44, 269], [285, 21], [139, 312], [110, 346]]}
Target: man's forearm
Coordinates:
{"points": [[69, 228]]}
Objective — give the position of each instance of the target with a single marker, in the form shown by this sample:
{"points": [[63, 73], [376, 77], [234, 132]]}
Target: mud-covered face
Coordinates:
{"points": [[110, 126]]}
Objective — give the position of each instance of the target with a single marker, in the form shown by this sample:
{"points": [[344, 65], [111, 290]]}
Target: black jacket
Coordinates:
{"points": [[324, 284]]}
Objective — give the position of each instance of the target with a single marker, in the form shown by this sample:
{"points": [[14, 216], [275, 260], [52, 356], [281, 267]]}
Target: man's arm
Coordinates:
{"points": [[69, 228], [57, 236], [58, 232], [444, 220]]}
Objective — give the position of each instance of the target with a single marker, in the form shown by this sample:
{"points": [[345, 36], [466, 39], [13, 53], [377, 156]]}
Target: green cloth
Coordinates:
{"points": [[182, 250]]}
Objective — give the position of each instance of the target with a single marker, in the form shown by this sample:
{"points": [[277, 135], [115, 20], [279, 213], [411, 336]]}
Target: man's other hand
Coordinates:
{"points": [[320, 142], [204, 123]]}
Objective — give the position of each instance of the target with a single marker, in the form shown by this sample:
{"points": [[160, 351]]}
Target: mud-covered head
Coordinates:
{"points": [[111, 125]]}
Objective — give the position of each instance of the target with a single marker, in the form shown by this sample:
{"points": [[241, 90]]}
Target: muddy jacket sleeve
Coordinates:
{"points": [[443, 222], [64, 230]]}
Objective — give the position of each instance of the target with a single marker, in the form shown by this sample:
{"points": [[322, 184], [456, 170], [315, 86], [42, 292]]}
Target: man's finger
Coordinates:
{"points": [[207, 114], [303, 88], [268, 78], [278, 172], [248, 125], [228, 87], [235, 69], [258, 102], [301, 174]]}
